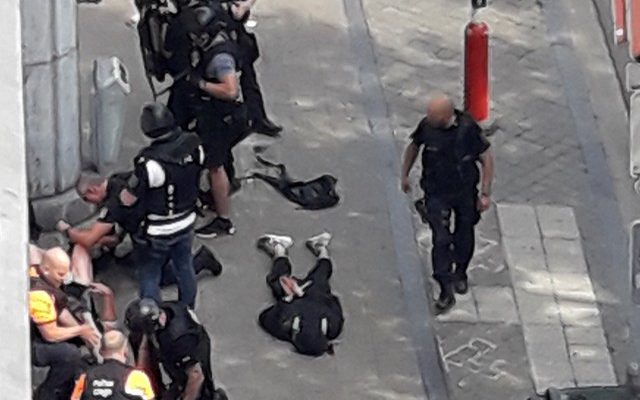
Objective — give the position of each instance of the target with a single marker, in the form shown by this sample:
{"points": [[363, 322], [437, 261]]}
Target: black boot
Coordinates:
{"points": [[446, 300], [205, 260], [267, 127], [460, 281]]}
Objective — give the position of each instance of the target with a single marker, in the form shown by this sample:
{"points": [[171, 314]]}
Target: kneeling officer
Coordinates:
{"points": [[179, 342]]}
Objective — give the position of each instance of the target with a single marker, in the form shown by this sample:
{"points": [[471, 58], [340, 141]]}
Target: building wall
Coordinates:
{"points": [[14, 335]]}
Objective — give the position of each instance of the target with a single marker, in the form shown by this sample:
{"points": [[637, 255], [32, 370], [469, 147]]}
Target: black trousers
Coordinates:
{"points": [[320, 275], [252, 93], [65, 364], [183, 103], [452, 246]]}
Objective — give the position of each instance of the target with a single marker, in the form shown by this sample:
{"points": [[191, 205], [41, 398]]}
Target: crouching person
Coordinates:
{"points": [[113, 379], [53, 326], [183, 348]]}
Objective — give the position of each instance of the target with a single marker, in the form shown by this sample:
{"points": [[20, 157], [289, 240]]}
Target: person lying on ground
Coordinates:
{"points": [[306, 313]]}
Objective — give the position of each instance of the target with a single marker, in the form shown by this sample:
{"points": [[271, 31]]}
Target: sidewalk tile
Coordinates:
{"points": [[548, 356], [594, 373], [524, 253], [573, 286], [557, 222], [585, 335], [464, 311], [589, 353], [581, 314], [537, 308], [532, 281], [518, 221], [496, 304], [564, 255]]}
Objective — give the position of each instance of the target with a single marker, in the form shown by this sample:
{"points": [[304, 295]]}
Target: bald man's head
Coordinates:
{"points": [[55, 265], [440, 110], [114, 343]]}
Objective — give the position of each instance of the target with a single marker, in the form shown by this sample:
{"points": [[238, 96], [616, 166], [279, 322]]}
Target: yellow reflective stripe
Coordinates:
{"points": [[138, 384], [79, 388]]}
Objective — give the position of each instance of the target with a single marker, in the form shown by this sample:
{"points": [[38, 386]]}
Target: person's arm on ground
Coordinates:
{"points": [[408, 159], [486, 163], [239, 9], [195, 380]]}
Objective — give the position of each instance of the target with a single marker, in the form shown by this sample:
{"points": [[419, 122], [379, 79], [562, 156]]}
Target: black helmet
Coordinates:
{"points": [[156, 120], [142, 316]]}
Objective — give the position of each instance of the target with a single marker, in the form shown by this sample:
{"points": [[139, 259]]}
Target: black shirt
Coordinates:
{"points": [[114, 212], [450, 155]]}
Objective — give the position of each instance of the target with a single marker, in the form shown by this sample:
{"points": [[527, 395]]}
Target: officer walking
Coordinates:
{"points": [[113, 379], [221, 120], [452, 147], [306, 313], [165, 181], [183, 347]]}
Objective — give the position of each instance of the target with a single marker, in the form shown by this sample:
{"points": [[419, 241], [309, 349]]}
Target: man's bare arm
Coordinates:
{"points": [[195, 379], [225, 90], [91, 236]]}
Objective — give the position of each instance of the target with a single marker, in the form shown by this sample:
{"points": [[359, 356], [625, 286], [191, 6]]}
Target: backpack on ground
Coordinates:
{"points": [[316, 194]]}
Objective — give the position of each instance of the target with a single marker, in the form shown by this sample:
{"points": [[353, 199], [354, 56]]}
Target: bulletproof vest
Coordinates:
{"points": [[60, 300], [129, 218], [107, 381], [180, 158], [180, 323]]}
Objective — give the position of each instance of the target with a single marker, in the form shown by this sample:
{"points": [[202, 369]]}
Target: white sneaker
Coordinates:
{"points": [[268, 243], [317, 242]]}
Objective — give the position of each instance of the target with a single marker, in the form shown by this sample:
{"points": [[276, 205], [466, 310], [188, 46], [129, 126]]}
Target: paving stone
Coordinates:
{"points": [[581, 314], [589, 353], [537, 308], [535, 281], [546, 347], [524, 253], [518, 221], [564, 255], [464, 311], [573, 286], [588, 335], [557, 222], [594, 374], [496, 304]]}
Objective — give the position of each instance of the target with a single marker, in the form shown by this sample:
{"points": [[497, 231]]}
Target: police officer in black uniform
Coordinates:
{"points": [[239, 12], [306, 313], [116, 219], [165, 181], [221, 119], [181, 344], [113, 379], [452, 147]]}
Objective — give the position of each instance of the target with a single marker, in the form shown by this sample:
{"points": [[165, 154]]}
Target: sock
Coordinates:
{"points": [[323, 252], [279, 251]]}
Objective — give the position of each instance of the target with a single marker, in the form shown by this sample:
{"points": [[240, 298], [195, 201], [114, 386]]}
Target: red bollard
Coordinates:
{"points": [[476, 70], [633, 29], [618, 8]]}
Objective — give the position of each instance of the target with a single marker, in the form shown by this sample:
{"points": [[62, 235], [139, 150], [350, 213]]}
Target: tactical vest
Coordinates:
{"points": [[107, 381], [180, 157], [181, 322], [60, 300], [129, 218]]}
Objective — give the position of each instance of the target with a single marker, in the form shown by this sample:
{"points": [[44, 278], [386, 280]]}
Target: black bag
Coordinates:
{"points": [[152, 28], [317, 194]]}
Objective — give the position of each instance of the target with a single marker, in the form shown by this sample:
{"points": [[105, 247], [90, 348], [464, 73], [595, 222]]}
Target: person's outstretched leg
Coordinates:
{"points": [[277, 248], [321, 273]]}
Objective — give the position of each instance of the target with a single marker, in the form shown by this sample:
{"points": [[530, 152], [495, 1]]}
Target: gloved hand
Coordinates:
{"points": [[195, 79]]}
